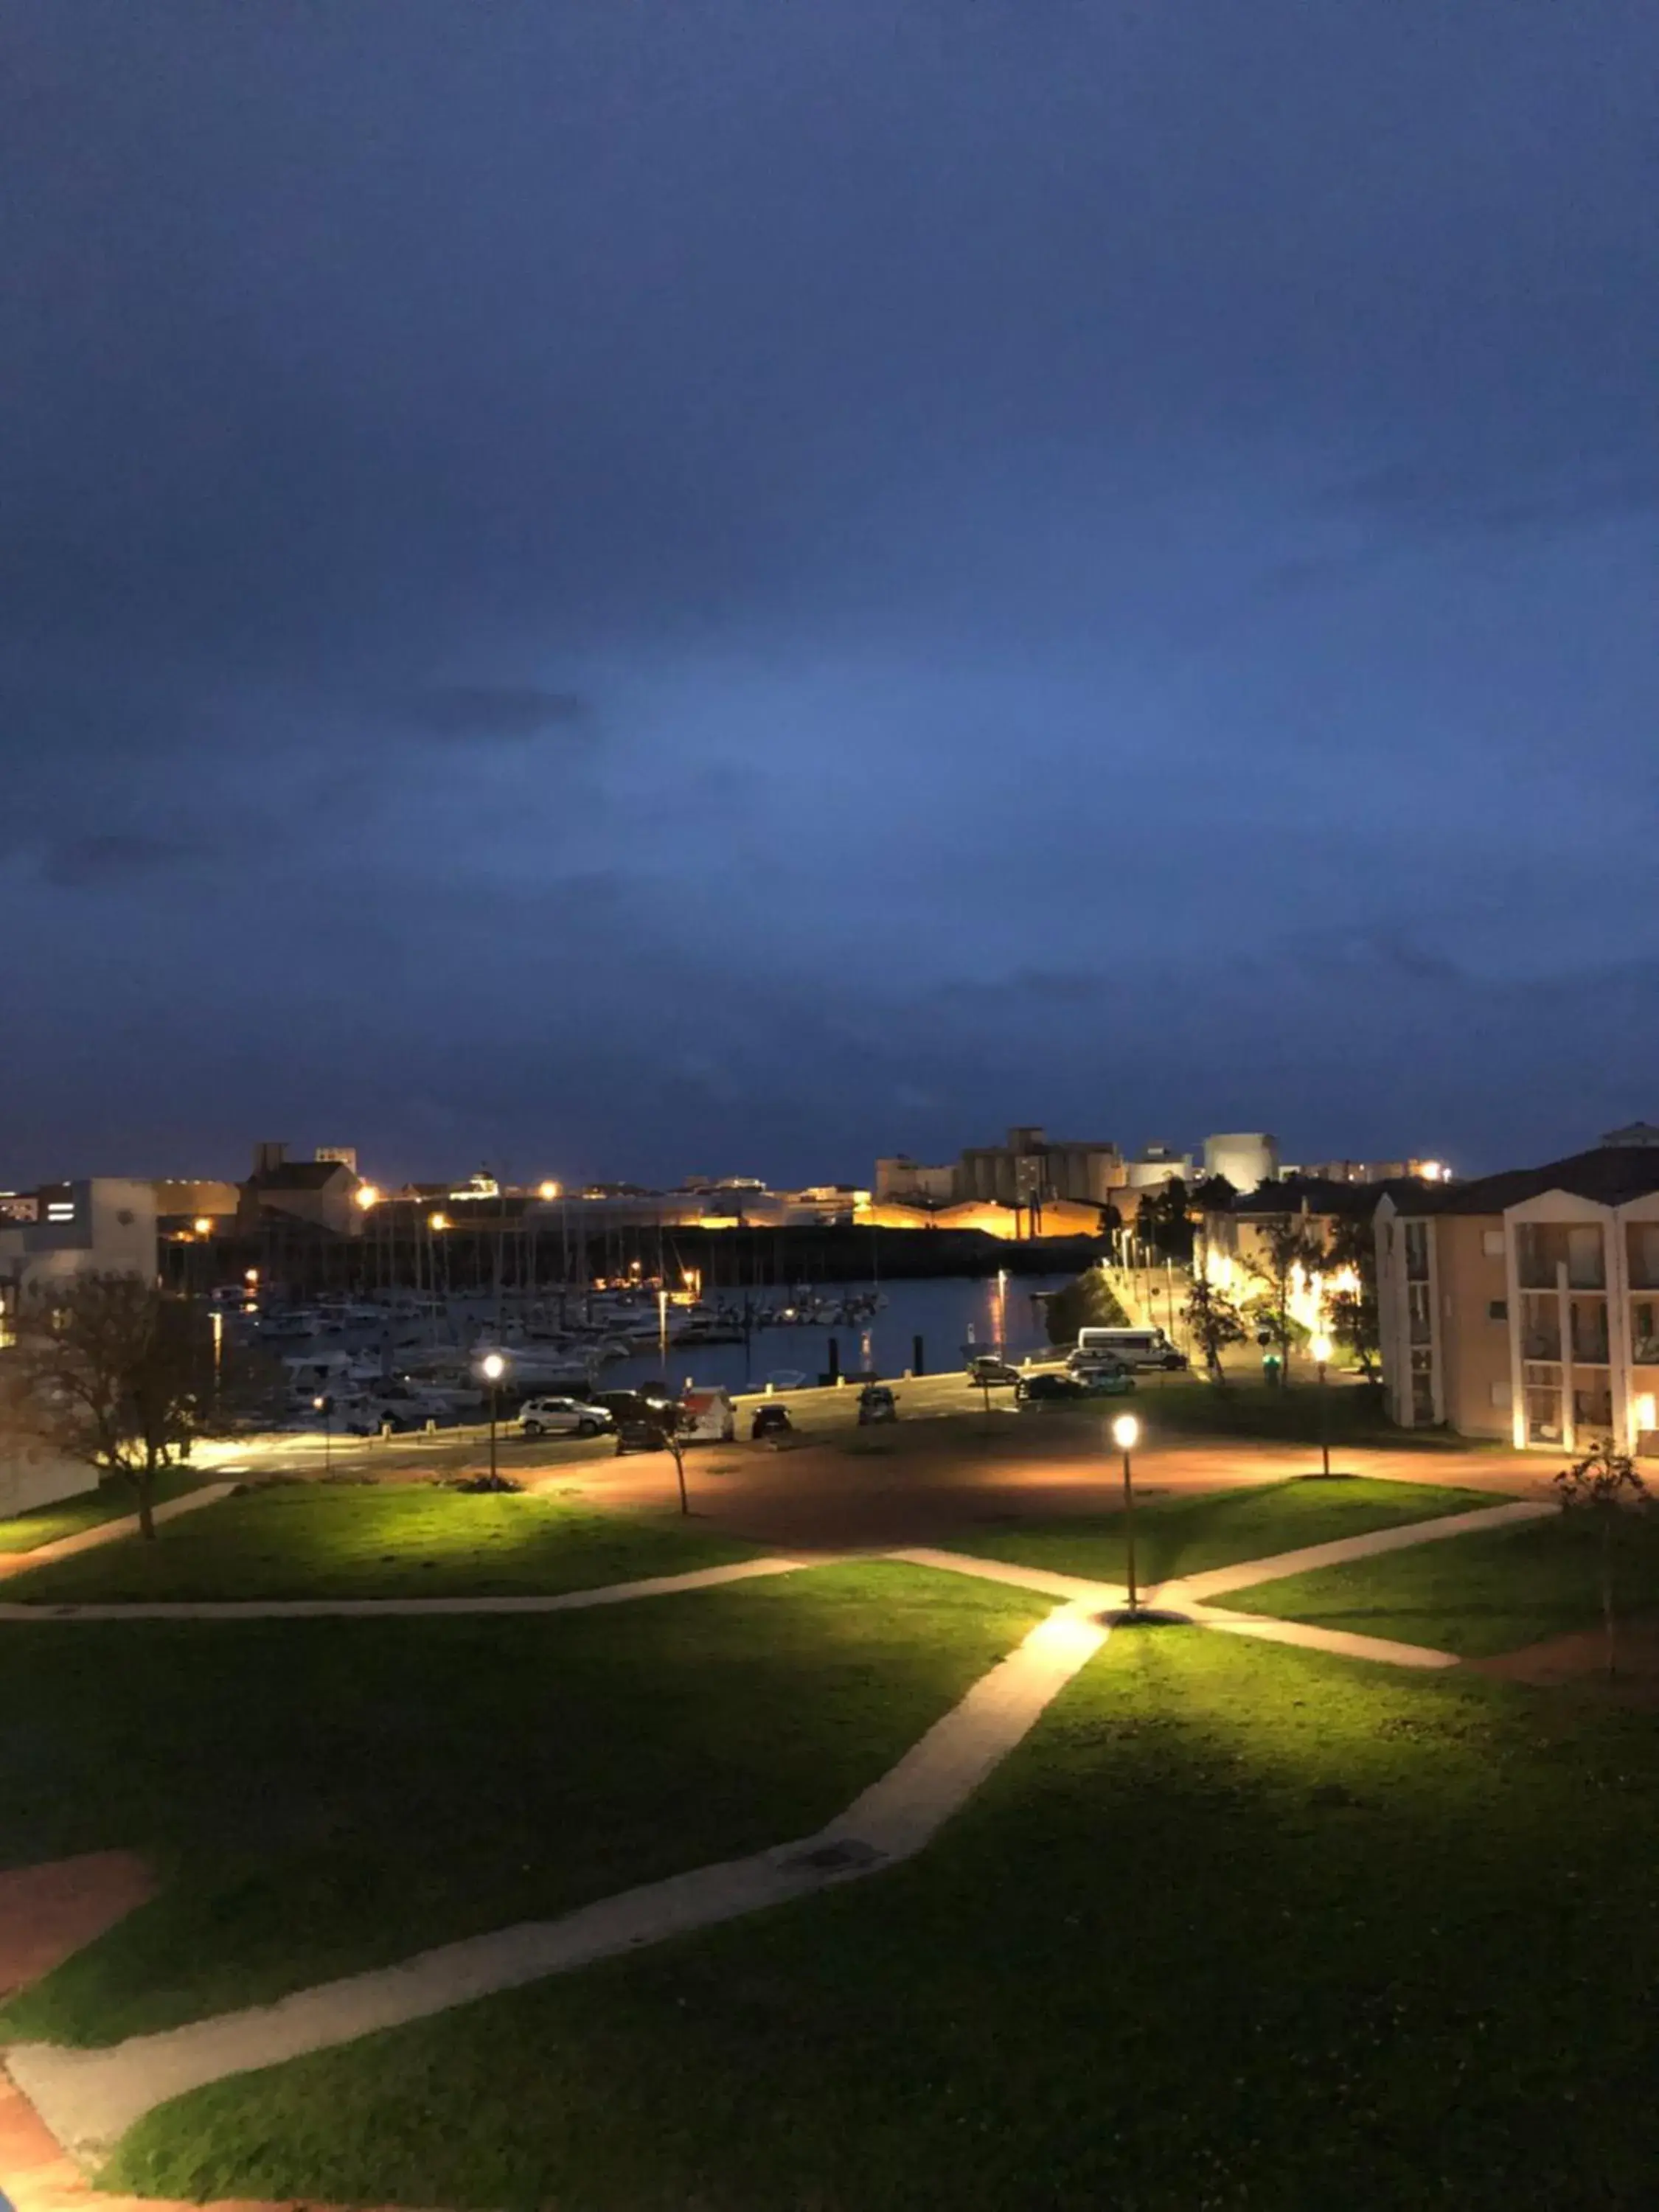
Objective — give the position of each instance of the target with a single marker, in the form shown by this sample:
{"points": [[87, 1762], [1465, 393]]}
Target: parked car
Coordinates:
{"points": [[877, 1403], [769, 1421], [1073, 1390], [1130, 1347], [987, 1367], [651, 1401], [641, 1435], [561, 1417]]}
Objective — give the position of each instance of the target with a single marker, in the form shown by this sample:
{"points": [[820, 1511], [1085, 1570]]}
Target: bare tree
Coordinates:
{"points": [[117, 1373], [1604, 1490]]}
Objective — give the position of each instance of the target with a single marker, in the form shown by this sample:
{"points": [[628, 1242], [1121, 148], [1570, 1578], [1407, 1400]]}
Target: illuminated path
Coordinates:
{"points": [[89, 2099]]}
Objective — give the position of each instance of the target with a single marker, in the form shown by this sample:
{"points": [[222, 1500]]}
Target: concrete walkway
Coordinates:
{"points": [[377, 1608], [110, 1532], [89, 2099], [1402, 1538]]}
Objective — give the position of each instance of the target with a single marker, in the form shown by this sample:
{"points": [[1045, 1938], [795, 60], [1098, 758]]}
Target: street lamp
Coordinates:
{"points": [[1320, 1346], [1002, 1312], [492, 1367], [1125, 1430], [325, 1407]]}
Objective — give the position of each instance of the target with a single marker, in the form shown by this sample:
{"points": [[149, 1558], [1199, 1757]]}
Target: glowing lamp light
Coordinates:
{"points": [[1647, 1412], [320, 1405], [250, 1275], [366, 1195], [1125, 1430], [437, 1221], [204, 1227], [547, 1190], [493, 1366], [1320, 1349]]}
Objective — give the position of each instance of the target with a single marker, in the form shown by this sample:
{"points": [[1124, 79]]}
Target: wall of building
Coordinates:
{"points": [[1470, 1280], [1246, 1158]]}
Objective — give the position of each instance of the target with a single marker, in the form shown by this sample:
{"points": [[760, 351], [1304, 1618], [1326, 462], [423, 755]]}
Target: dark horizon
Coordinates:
{"points": [[733, 590]]}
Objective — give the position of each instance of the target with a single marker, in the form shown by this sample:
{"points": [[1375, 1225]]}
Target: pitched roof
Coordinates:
{"points": [[1607, 1175], [300, 1175]]}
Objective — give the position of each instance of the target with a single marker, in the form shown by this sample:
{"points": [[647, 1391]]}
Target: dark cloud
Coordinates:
{"points": [[485, 710], [113, 858], [746, 584]]}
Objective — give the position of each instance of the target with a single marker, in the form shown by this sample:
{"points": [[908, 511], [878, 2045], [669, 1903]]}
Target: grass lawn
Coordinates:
{"points": [[90, 1509], [1474, 1595], [1184, 1535], [1185, 1405], [396, 1540], [1239, 1928], [324, 1796]]}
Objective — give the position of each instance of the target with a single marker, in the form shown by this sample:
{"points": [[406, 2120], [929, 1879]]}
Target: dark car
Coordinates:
{"points": [[649, 1402], [987, 1367], [877, 1403], [1050, 1390], [641, 1435], [770, 1419]]}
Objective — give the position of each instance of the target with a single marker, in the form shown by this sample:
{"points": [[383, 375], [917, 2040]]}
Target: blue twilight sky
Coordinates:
{"points": [[712, 585]]}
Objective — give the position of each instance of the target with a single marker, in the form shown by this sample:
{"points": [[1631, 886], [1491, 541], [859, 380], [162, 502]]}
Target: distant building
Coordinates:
{"points": [[908, 1182], [320, 1192], [1245, 1159], [1373, 1171], [103, 1223], [1156, 1165], [1525, 1306], [1031, 1169]]}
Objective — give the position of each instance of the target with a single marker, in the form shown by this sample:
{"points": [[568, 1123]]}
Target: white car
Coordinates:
{"points": [[561, 1417]]}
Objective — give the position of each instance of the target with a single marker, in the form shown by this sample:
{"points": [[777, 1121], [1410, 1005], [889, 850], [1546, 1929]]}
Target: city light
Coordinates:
{"points": [[547, 1190], [437, 1221], [1647, 1417], [366, 1195], [1126, 1431], [203, 1226], [492, 1366], [1435, 1171], [1320, 1349], [250, 1275]]}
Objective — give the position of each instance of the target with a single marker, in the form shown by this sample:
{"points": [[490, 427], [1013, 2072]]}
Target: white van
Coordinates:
{"points": [[707, 1417], [1129, 1347]]}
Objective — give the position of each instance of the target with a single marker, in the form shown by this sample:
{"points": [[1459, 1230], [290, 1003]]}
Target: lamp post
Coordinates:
{"points": [[1002, 1312], [325, 1406], [1320, 1349], [662, 1329], [1125, 1430], [492, 1367]]}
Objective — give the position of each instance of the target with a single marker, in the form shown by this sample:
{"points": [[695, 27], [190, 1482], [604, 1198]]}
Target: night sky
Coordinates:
{"points": [[632, 588]]}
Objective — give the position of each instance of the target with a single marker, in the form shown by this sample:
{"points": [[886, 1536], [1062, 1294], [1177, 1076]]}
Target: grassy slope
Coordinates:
{"points": [[1184, 1535], [406, 1539], [325, 1796], [1186, 1405], [1475, 1595], [45, 1524], [1241, 1927]]}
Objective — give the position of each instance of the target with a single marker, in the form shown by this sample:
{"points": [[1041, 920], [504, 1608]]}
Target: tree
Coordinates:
{"points": [[1604, 1491], [1353, 1314], [1214, 1322], [1165, 1223], [1288, 1241], [1087, 1302], [117, 1373]]}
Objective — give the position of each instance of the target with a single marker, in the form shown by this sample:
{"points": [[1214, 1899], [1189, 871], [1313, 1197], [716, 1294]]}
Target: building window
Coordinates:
{"points": [[1498, 1310], [1417, 1251]]}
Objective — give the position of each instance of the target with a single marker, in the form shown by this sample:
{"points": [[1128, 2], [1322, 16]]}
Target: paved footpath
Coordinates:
{"points": [[377, 1608], [89, 2099]]}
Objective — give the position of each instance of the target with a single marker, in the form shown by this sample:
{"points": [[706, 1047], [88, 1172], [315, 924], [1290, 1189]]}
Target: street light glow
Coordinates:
{"points": [[1320, 1349], [437, 1221], [203, 1226], [494, 1366], [366, 1195], [1125, 1430], [547, 1190]]}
